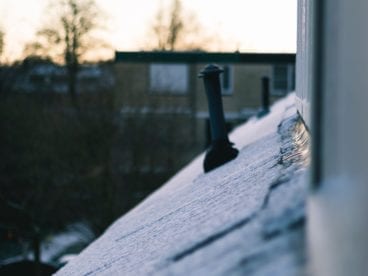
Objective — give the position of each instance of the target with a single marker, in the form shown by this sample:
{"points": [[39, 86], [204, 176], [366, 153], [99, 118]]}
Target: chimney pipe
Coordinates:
{"points": [[265, 97], [221, 150]]}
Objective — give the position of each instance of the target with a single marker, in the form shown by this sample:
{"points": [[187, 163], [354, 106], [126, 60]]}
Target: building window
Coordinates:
{"points": [[169, 78], [227, 80], [283, 79]]}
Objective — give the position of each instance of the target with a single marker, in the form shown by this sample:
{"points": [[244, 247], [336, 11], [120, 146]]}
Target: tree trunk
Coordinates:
{"points": [[36, 244], [72, 84]]}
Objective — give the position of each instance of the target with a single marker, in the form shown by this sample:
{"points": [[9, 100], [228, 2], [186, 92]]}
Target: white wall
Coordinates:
{"points": [[304, 59], [338, 208]]}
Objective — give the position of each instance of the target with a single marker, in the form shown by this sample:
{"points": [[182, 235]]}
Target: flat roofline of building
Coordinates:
{"points": [[203, 57]]}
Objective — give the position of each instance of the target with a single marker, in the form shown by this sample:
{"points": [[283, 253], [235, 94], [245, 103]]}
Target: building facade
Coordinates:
{"points": [[168, 83]]}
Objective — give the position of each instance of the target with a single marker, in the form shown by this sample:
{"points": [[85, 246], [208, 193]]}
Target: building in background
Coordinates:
{"points": [[43, 76], [167, 83]]}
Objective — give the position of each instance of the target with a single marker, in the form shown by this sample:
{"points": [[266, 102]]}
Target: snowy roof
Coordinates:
{"points": [[245, 217]]}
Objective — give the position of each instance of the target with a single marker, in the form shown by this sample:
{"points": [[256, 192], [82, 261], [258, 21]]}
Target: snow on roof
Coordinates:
{"points": [[245, 217]]}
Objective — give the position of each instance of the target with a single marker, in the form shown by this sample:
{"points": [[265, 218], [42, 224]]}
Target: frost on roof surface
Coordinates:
{"points": [[246, 217]]}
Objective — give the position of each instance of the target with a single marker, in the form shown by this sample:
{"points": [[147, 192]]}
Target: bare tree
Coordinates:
{"points": [[69, 36], [1, 42], [168, 28], [175, 28], [6, 76]]}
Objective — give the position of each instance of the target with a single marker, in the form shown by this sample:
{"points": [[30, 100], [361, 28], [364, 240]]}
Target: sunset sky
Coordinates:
{"points": [[244, 25]]}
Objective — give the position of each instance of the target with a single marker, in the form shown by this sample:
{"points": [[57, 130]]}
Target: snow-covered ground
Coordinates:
{"points": [[53, 249], [76, 235], [246, 217]]}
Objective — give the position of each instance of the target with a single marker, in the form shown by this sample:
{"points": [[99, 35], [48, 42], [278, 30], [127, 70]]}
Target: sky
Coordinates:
{"points": [[244, 25]]}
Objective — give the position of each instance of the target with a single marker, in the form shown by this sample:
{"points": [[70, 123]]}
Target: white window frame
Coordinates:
{"points": [[290, 80], [169, 78], [227, 91]]}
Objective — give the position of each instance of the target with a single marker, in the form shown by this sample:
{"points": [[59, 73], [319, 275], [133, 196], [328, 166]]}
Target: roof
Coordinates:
{"points": [[204, 57], [245, 217]]}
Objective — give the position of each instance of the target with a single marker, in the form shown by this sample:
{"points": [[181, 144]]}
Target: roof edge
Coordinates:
{"points": [[203, 57]]}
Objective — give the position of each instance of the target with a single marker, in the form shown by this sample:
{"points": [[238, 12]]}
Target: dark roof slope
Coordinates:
{"points": [[204, 57]]}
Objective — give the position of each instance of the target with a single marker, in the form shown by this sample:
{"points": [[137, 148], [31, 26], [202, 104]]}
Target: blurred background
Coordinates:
{"points": [[90, 126]]}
